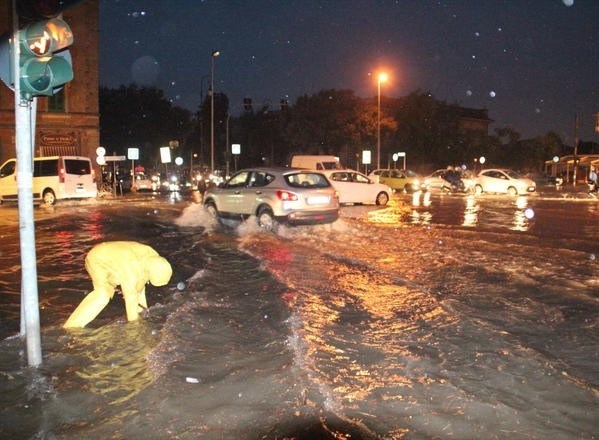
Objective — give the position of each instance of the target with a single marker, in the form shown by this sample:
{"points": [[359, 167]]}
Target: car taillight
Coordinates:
{"points": [[61, 174], [287, 196], [93, 174], [337, 194]]}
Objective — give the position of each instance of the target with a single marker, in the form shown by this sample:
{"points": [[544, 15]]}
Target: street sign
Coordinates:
{"points": [[114, 158], [366, 157], [133, 153]]}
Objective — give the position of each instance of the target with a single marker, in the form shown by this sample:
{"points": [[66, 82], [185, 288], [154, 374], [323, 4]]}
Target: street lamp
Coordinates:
{"points": [[382, 77], [215, 53]]}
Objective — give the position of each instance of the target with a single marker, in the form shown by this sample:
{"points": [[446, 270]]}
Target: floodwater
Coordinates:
{"points": [[453, 317]]}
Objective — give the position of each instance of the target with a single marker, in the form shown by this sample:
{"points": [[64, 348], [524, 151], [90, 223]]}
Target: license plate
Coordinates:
{"points": [[318, 200]]}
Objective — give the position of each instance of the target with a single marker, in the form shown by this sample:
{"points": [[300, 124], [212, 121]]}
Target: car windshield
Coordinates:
{"points": [[307, 180]]}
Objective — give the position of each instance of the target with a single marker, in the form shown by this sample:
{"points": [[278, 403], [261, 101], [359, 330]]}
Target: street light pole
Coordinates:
{"points": [[215, 53], [382, 77]]}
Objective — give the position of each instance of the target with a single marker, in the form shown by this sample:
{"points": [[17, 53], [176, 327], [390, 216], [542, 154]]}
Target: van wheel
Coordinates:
{"points": [[49, 197], [266, 219]]}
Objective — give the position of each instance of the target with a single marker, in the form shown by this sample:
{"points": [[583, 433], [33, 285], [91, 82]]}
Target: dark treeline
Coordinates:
{"points": [[431, 132]]}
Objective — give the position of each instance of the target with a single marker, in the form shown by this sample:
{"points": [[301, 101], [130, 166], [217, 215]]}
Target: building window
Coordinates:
{"points": [[56, 102]]}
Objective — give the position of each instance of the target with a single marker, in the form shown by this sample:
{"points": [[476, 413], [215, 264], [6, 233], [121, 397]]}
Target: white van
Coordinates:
{"points": [[316, 162], [54, 178]]}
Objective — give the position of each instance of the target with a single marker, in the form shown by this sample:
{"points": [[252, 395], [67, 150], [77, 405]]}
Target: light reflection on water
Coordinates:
{"points": [[469, 211], [422, 332]]}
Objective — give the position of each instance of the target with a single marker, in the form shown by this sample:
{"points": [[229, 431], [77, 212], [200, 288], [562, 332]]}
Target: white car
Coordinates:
{"points": [[355, 187], [275, 195], [503, 181], [144, 183]]}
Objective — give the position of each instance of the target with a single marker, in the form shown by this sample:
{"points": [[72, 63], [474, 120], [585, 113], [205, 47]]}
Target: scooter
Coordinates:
{"points": [[454, 182]]}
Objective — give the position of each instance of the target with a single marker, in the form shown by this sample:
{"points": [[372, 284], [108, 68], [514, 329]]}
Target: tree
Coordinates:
{"points": [[131, 116]]}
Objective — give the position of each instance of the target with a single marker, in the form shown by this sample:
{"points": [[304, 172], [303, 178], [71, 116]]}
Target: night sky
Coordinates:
{"points": [[534, 64]]}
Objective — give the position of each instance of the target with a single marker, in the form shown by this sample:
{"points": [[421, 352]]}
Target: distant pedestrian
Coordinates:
{"points": [[593, 180]]}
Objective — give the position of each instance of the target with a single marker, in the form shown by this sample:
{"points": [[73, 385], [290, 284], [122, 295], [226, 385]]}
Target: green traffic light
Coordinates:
{"points": [[40, 76], [44, 65]]}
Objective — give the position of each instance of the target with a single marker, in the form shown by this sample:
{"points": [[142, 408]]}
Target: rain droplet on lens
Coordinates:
{"points": [[529, 213], [181, 285], [592, 257]]}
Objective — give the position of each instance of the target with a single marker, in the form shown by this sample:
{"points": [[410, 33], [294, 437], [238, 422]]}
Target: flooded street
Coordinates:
{"points": [[449, 317]]}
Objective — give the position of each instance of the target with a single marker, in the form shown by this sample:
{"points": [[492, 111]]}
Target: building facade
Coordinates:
{"points": [[68, 122]]}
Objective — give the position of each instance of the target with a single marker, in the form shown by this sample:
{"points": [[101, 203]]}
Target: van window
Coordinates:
{"points": [[45, 168], [8, 169], [78, 167]]}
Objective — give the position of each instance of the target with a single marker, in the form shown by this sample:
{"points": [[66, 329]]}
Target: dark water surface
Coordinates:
{"points": [[455, 319]]}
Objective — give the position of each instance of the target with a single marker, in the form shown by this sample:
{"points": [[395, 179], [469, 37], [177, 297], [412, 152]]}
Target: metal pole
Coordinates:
{"points": [[575, 148], [378, 127], [215, 53], [212, 115], [227, 147], [24, 137]]}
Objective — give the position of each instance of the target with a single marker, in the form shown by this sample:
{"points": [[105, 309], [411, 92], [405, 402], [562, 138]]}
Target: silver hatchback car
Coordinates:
{"points": [[275, 195]]}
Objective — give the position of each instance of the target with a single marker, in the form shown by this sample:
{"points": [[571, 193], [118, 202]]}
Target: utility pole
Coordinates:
{"points": [[25, 113], [575, 148]]}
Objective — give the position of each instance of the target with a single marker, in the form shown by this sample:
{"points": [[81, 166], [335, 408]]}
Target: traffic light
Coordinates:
{"points": [[35, 10], [44, 64]]}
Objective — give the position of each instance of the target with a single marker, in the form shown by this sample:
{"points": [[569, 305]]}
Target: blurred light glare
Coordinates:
{"points": [[529, 213]]}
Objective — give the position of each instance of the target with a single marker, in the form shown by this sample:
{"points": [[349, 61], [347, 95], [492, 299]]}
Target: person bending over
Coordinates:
{"points": [[127, 264]]}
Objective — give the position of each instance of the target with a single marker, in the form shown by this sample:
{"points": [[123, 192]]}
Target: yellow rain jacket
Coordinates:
{"points": [[120, 263]]}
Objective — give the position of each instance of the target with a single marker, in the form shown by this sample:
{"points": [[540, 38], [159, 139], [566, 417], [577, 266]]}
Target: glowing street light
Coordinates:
{"points": [[215, 53], [382, 77]]}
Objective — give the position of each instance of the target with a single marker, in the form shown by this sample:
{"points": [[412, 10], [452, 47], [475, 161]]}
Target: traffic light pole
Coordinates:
{"points": [[24, 136]]}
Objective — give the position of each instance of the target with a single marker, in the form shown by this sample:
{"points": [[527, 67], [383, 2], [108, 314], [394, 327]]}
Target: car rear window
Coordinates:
{"points": [[307, 180], [76, 166]]}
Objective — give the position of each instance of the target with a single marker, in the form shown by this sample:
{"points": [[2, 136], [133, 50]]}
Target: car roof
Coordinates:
{"points": [[280, 170]]}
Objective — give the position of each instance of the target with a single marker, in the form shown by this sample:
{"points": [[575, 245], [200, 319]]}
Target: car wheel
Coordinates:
{"points": [[49, 198], [211, 209], [478, 190], [382, 198], [512, 191], [266, 219]]}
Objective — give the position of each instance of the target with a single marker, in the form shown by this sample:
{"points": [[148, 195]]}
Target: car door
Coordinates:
{"points": [[362, 190], [341, 180], [232, 194], [497, 182], [254, 193]]}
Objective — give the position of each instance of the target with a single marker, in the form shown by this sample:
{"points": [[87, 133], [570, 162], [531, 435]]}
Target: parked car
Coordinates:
{"points": [[355, 187], [503, 181], [275, 195], [54, 178], [450, 180], [402, 180], [374, 175], [143, 182]]}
